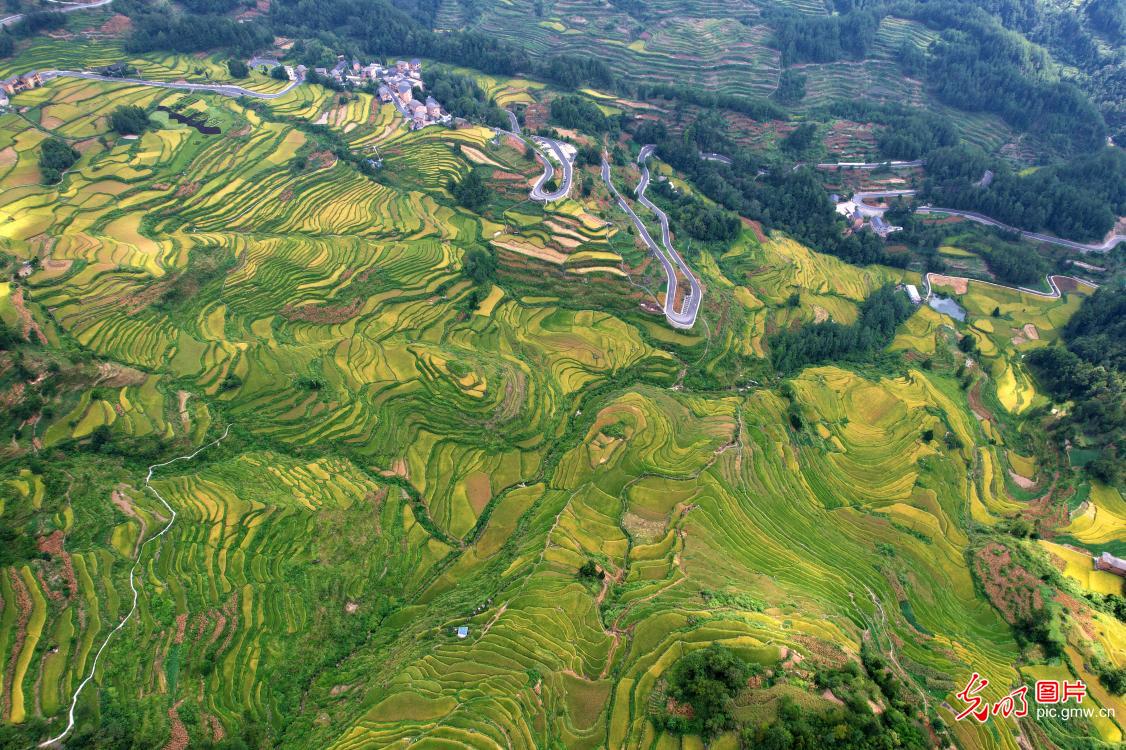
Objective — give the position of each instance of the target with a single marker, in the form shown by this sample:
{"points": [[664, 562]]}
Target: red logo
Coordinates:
{"points": [[1016, 702]]}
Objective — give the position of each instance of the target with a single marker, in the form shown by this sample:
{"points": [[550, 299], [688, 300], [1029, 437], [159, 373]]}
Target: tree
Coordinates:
{"points": [[55, 157], [237, 68], [129, 119], [579, 113], [479, 265], [800, 139], [791, 87], [471, 191], [707, 680], [278, 73]]}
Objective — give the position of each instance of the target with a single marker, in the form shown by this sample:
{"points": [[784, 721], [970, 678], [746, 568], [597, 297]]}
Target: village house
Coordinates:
{"points": [[402, 66], [1111, 564], [3, 100], [416, 65], [16, 84], [384, 92], [433, 110], [418, 112], [405, 92]]}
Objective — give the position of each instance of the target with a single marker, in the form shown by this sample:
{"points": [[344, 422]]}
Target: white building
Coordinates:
{"points": [[913, 294]]}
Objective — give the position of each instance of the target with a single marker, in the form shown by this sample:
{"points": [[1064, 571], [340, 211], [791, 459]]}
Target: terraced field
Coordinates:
{"points": [[410, 453], [694, 48]]}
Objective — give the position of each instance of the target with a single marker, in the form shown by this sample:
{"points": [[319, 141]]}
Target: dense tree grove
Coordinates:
{"points": [[578, 113], [55, 157], [470, 191], [479, 265], [185, 32], [574, 71], [462, 97], [694, 217], [237, 68], [814, 38], [830, 341], [791, 87], [129, 120], [38, 21], [1014, 262], [706, 680], [1091, 371], [1078, 200]]}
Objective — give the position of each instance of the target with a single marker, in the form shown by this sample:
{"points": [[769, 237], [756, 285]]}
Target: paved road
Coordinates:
{"points": [[515, 123], [215, 88], [1051, 278], [556, 148], [712, 156], [872, 164], [684, 318], [67, 8], [869, 210], [545, 146]]}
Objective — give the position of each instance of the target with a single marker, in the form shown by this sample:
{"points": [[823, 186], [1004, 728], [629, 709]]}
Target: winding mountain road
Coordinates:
{"points": [[544, 148], [556, 148], [870, 210], [1051, 279], [670, 259], [68, 8]]}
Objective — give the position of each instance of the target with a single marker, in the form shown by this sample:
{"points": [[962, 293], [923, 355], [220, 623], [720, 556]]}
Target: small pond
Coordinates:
{"points": [[947, 306]]}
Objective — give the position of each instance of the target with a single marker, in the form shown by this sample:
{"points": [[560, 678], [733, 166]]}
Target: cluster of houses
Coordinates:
{"points": [[396, 83], [16, 84]]}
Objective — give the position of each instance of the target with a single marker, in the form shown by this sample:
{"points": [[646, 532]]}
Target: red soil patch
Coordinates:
{"points": [[323, 158], [478, 490], [23, 603], [1079, 613], [535, 116], [286, 196], [323, 315], [1066, 284], [187, 190], [179, 738], [756, 227], [27, 322], [181, 624], [1012, 590], [218, 734], [116, 25], [53, 545]]}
